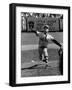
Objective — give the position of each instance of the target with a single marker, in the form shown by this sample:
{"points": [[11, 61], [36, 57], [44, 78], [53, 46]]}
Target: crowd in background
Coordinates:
{"points": [[26, 15], [42, 15]]}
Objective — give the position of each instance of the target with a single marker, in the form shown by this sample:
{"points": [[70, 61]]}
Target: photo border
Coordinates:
{"points": [[12, 43]]}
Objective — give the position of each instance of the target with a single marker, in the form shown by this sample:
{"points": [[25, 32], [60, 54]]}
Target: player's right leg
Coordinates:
{"points": [[45, 55], [40, 53]]}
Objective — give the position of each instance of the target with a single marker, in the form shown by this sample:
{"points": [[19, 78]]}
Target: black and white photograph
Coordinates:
{"points": [[41, 44], [39, 40]]}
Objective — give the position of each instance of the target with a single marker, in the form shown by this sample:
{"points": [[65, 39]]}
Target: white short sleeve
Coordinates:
{"points": [[50, 37], [38, 32]]}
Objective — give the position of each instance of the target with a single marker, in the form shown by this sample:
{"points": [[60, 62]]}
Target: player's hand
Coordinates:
{"points": [[60, 51], [61, 48]]}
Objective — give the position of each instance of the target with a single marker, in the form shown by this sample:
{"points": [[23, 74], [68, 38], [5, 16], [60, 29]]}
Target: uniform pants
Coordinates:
{"points": [[43, 53]]}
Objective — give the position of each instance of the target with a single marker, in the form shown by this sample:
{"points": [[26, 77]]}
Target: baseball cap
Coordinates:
{"points": [[46, 26]]}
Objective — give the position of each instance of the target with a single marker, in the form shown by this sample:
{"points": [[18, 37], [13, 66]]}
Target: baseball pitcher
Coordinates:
{"points": [[44, 38]]}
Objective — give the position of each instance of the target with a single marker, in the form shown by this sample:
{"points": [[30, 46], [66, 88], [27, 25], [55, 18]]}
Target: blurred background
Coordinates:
{"points": [[36, 21]]}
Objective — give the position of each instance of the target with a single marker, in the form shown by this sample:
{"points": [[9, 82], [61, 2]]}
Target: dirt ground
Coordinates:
{"points": [[27, 55]]}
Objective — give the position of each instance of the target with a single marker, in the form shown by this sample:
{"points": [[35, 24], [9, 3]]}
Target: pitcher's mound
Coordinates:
{"points": [[33, 63]]}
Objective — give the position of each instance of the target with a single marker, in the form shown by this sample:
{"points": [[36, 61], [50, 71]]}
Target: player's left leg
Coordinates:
{"points": [[45, 55], [40, 52]]}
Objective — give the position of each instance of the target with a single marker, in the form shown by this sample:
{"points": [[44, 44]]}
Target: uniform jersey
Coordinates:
{"points": [[44, 39]]}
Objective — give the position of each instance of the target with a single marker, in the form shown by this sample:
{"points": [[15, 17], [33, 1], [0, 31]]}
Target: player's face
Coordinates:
{"points": [[46, 30]]}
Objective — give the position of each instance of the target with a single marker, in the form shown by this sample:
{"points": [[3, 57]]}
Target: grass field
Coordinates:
{"points": [[29, 52]]}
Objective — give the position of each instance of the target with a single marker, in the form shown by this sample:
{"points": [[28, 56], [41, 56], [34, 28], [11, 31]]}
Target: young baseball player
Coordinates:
{"points": [[44, 38]]}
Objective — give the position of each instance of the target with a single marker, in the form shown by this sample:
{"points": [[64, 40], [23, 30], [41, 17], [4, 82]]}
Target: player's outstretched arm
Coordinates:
{"points": [[56, 42], [36, 32]]}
